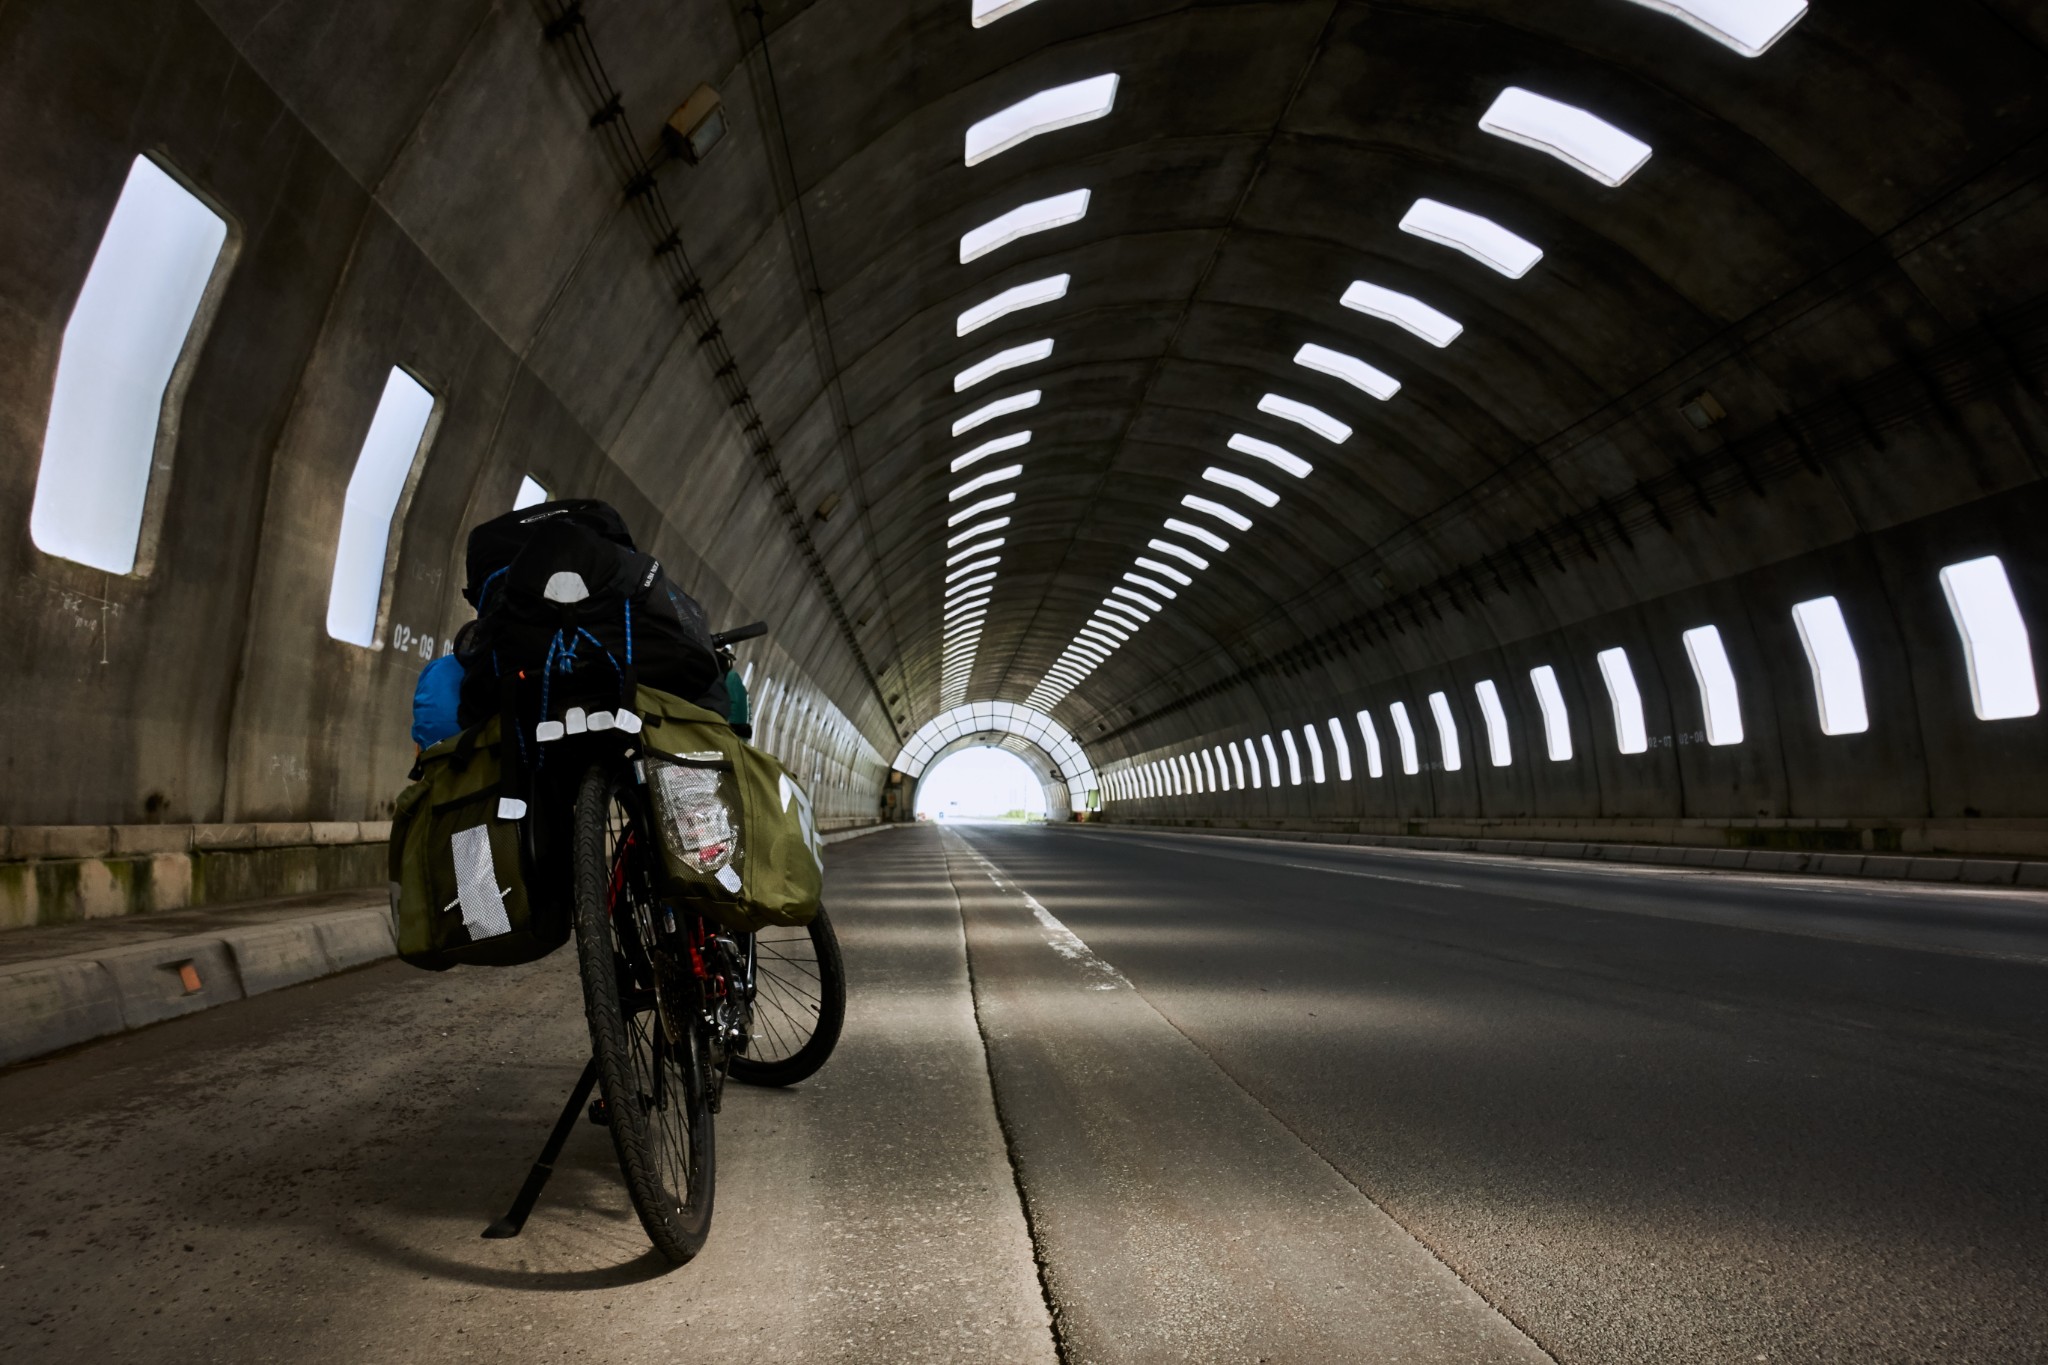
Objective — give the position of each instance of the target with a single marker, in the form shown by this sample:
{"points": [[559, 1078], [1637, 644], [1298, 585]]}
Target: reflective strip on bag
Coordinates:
{"points": [[476, 884]]}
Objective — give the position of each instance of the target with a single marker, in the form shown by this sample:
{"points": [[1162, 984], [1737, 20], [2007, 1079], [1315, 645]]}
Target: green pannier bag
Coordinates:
{"points": [[737, 835], [463, 890]]}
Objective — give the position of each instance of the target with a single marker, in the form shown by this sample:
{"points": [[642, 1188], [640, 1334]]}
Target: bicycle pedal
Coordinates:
{"points": [[600, 1115]]}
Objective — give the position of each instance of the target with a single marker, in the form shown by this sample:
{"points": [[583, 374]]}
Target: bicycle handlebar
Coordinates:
{"points": [[738, 633]]}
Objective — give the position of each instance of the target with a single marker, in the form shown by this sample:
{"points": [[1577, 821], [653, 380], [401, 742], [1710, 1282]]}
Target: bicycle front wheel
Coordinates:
{"points": [[646, 1028], [799, 1004]]}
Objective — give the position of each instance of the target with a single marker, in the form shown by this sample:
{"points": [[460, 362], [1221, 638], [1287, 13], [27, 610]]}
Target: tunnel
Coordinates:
{"points": [[1509, 536]]}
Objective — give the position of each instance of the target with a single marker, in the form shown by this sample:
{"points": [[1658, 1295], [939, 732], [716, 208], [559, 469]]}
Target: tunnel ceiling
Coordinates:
{"points": [[1258, 159]]}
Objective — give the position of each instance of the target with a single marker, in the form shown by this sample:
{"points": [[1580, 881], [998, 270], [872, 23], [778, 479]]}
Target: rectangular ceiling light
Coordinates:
{"points": [[1446, 731], [1404, 730], [391, 450], [987, 562], [1148, 603], [1123, 613], [980, 529], [1180, 552], [1040, 215], [955, 589], [1630, 734], [1316, 771], [1350, 369], [1062, 106], [1011, 300], [1837, 673], [1009, 359], [988, 448], [1101, 622], [1235, 520], [1293, 758], [1272, 454], [1257, 492], [530, 494], [1370, 733], [1583, 141], [1404, 311], [1164, 570], [1995, 644], [972, 550], [1236, 764], [1151, 585], [1194, 532], [974, 510], [981, 481], [1342, 746], [1272, 761], [1718, 697], [1330, 428], [1496, 722], [1557, 722], [1484, 240], [1002, 407], [134, 317], [1746, 26]]}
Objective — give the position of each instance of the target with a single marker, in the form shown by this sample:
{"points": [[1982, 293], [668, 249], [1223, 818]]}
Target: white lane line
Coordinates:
{"points": [[1058, 936]]}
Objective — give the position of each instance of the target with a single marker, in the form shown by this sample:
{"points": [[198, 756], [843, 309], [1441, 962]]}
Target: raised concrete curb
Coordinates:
{"points": [[63, 1001], [1884, 866], [840, 836]]}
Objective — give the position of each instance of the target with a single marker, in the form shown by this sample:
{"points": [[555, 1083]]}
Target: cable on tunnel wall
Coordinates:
{"points": [[564, 27], [1934, 382]]}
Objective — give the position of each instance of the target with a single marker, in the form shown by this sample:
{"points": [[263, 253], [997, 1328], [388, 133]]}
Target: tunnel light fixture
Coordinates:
{"points": [[1100, 622], [1316, 772], [1180, 552], [1446, 730], [1100, 636], [1369, 732], [967, 593], [1745, 26], [1496, 716], [1718, 696], [1557, 722], [1273, 760], [1164, 570], [1484, 240], [987, 563], [1331, 429], [1062, 106], [972, 550], [1404, 311], [1236, 764], [981, 481], [1238, 483], [981, 529], [1221, 765], [977, 612], [1341, 746], [963, 608], [1139, 598], [1404, 730], [1017, 297], [1584, 141], [1123, 614], [1251, 758], [1996, 649], [1349, 368], [387, 462], [988, 448], [1040, 215], [1631, 736], [974, 510], [118, 384], [1837, 673], [1209, 769], [1002, 407], [1030, 353], [1194, 532], [1272, 454], [955, 589], [1234, 520], [1151, 585]]}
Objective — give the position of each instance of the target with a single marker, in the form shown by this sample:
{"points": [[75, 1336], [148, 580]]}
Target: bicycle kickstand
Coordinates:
{"points": [[537, 1178]]}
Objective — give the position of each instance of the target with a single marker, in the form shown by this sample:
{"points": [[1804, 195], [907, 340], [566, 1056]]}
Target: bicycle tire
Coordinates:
{"points": [[655, 1091], [795, 1024]]}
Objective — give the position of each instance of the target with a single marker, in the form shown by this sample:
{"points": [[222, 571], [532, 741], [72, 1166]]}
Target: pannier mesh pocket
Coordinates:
{"points": [[696, 824], [476, 884]]}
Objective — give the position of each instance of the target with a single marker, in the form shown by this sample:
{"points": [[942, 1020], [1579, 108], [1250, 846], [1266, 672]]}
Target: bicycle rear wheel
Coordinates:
{"points": [[799, 1004], [646, 1029]]}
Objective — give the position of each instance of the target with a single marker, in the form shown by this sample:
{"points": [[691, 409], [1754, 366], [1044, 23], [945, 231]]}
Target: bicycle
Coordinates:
{"points": [[675, 1003]]}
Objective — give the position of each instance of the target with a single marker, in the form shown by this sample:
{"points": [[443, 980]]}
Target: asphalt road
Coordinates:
{"points": [[1648, 1115], [1110, 1097]]}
